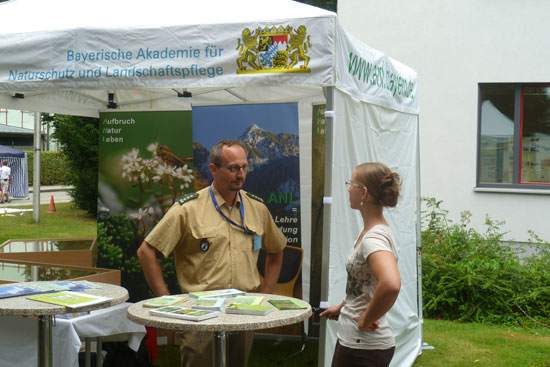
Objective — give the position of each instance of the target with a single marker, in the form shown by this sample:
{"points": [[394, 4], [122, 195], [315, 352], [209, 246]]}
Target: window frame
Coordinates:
{"points": [[518, 126]]}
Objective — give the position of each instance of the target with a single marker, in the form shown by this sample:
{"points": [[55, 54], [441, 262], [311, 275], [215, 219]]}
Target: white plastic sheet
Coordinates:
{"points": [[18, 336]]}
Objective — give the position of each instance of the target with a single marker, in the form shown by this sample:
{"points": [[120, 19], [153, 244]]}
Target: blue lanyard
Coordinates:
{"points": [[246, 231]]}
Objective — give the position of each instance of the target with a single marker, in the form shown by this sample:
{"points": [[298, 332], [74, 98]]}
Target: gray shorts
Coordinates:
{"points": [[5, 185]]}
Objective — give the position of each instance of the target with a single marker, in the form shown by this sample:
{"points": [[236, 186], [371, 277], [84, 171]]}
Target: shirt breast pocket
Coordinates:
{"points": [[204, 241]]}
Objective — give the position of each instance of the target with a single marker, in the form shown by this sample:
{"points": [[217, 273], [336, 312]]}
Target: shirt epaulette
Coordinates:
{"points": [[188, 197], [252, 196]]}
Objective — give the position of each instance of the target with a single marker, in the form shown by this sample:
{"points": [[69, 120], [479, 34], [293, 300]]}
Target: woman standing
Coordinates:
{"points": [[364, 336]]}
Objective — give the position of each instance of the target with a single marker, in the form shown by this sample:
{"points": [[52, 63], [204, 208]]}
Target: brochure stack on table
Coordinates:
{"points": [[204, 305], [224, 321]]}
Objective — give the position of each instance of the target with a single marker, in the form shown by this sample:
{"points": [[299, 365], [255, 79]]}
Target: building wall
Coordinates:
{"points": [[21, 142], [24, 120], [17, 118], [454, 45]]}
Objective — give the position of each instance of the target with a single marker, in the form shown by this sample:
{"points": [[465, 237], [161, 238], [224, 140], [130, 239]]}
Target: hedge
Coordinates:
{"points": [[54, 168]]}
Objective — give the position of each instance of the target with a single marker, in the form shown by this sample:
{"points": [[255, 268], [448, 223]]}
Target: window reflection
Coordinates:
{"points": [[535, 137], [497, 134], [16, 272]]}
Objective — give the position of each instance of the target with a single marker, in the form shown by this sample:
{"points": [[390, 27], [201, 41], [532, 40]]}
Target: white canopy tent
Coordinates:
{"points": [[170, 55]]}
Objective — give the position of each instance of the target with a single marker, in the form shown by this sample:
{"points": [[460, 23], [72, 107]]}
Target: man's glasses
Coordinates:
{"points": [[350, 184], [234, 169]]}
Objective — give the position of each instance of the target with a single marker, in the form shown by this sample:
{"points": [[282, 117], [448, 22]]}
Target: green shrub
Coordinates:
{"points": [[78, 137], [54, 168], [470, 276], [118, 242]]}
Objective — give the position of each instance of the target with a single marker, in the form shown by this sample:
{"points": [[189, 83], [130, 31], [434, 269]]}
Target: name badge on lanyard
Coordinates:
{"points": [[257, 242]]}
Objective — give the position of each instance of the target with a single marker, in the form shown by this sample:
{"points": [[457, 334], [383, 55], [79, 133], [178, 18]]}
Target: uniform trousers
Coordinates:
{"points": [[196, 349]]}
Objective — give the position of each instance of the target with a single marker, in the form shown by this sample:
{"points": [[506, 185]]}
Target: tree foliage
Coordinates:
{"points": [[325, 4], [78, 137]]}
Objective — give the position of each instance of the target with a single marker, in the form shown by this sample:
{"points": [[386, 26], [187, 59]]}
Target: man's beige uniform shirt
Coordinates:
{"points": [[230, 261]]}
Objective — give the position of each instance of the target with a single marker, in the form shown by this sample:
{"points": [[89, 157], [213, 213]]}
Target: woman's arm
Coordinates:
{"points": [[384, 268], [332, 312]]}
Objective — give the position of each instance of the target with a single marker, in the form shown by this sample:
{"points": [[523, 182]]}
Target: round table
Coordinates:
{"points": [[21, 306], [223, 323]]}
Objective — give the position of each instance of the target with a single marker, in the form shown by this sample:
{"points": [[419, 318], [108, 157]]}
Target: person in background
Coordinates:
{"points": [[373, 282], [5, 182], [215, 235]]}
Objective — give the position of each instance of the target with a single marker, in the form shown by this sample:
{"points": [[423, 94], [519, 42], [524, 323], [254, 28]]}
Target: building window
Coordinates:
{"points": [[514, 136]]}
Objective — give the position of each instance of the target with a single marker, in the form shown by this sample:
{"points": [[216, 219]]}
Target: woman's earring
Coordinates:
{"points": [[361, 203]]}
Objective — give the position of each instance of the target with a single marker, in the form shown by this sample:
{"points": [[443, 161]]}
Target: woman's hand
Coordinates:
{"points": [[361, 323], [332, 313]]}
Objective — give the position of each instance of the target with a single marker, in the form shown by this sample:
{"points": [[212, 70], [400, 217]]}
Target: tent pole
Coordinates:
{"points": [[36, 169], [419, 238], [325, 254]]}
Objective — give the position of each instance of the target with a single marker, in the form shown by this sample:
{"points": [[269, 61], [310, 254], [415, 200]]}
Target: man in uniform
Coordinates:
{"points": [[216, 235]]}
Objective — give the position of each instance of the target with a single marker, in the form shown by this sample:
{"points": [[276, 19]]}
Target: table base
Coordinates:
{"points": [[219, 346], [45, 341]]}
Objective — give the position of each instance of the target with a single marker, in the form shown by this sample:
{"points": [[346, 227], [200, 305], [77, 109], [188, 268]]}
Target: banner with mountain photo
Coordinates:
{"points": [[270, 133]]}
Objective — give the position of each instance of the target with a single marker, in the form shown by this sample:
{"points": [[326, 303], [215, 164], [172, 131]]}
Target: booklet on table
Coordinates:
{"points": [[257, 310], [183, 313], [206, 303], [163, 301], [26, 289], [70, 299], [248, 300], [288, 304], [225, 293]]}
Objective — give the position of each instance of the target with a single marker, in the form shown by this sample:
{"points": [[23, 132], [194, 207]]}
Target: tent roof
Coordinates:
{"points": [[82, 58], [111, 14], [10, 152], [40, 51]]}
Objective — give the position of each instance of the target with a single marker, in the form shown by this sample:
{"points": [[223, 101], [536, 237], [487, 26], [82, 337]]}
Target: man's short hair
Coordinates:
{"points": [[4, 162], [216, 151]]}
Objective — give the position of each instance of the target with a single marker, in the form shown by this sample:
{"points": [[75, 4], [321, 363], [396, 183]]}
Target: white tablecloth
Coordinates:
{"points": [[18, 343]]}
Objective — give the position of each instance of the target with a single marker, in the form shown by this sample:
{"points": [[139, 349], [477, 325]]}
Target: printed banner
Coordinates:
{"points": [[145, 164], [293, 51], [371, 76], [270, 133]]}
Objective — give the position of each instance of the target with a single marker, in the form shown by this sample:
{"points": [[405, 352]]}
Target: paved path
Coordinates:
{"points": [[60, 195]]}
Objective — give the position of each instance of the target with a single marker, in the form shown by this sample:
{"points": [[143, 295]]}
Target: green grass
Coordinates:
{"points": [[66, 222], [456, 345], [469, 344]]}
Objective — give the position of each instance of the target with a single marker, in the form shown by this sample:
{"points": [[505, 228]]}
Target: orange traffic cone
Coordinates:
{"points": [[52, 206]]}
